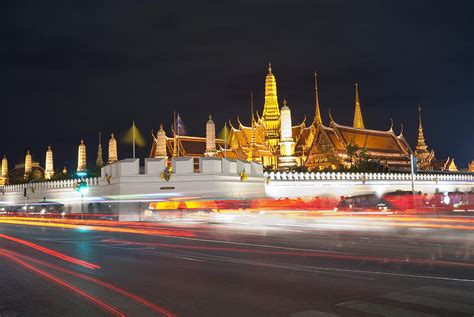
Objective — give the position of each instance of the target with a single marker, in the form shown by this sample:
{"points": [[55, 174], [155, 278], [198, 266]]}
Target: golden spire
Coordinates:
{"points": [[358, 120], [251, 155], [421, 145], [317, 112], [99, 162], [271, 110]]}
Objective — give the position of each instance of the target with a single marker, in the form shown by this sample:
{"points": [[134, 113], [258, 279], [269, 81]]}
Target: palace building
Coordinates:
{"points": [[272, 140]]}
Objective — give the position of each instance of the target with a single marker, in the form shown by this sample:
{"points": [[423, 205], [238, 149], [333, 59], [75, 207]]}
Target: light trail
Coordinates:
{"points": [[100, 228], [51, 252], [136, 298], [103, 305], [309, 253]]}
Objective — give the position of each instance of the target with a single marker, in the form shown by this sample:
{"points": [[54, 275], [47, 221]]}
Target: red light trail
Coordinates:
{"points": [[136, 298], [51, 252], [112, 310]]}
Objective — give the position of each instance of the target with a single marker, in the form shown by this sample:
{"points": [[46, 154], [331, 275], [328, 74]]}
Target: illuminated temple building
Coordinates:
{"points": [[272, 140]]}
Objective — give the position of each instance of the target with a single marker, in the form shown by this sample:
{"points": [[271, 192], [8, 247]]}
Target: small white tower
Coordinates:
{"points": [[210, 138], [4, 166], [49, 167], [81, 157], [287, 160], [28, 163], [112, 150]]}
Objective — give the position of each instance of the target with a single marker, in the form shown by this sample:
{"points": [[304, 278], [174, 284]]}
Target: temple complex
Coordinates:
{"points": [[272, 140]]}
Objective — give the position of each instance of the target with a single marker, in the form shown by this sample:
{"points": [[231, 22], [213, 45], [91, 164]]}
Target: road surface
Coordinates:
{"points": [[336, 266]]}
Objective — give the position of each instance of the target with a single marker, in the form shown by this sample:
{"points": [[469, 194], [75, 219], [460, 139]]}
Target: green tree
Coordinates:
{"points": [[351, 151]]}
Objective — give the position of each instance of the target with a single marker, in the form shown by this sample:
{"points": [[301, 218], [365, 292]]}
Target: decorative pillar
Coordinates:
{"points": [[161, 143], [81, 157], [210, 138], [287, 159], [49, 167], [28, 163], [4, 166], [112, 150]]}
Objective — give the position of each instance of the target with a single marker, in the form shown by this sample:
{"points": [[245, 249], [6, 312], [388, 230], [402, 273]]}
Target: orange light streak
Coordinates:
{"points": [[179, 233]]}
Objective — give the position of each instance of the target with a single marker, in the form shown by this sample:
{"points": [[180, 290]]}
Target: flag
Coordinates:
{"points": [[132, 133], [224, 133], [180, 127]]}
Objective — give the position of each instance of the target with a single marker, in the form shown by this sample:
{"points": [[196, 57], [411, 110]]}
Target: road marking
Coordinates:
{"points": [[447, 291], [383, 310], [430, 302], [312, 313]]}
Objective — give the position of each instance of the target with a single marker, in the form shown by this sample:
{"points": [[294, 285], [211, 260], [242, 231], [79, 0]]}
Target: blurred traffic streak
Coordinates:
{"points": [[198, 208]]}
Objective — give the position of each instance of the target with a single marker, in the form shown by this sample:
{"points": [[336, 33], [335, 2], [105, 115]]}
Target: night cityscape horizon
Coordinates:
{"points": [[251, 158], [93, 76]]}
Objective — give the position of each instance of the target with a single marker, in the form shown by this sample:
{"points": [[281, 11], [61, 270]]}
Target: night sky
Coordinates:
{"points": [[72, 69]]}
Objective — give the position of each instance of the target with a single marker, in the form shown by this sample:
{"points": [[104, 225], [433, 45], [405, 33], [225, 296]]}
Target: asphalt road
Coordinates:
{"points": [[348, 266]]}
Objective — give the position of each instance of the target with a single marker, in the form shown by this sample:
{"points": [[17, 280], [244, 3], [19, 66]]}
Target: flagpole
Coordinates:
{"points": [[178, 132], [133, 137]]}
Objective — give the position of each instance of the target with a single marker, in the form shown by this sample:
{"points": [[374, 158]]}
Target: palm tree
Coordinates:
{"points": [[351, 151]]}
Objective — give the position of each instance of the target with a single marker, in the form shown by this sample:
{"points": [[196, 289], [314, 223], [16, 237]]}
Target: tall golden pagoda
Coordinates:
{"points": [[271, 110], [358, 120], [424, 156]]}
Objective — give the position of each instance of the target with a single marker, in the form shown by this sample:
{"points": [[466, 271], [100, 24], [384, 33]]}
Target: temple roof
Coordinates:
{"points": [[372, 140]]}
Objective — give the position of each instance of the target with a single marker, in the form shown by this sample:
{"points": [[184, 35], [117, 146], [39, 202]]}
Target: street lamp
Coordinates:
{"points": [[82, 188]]}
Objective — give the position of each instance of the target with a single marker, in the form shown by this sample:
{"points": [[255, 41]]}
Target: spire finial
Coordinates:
{"points": [[49, 147], [269, 67], [161, 126], [330, 116], [210, 117], [358, 119], [419, 117], [317, 110]]}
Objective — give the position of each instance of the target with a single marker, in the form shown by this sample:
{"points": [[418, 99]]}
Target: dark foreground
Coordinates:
{"points": [[345, 266]]}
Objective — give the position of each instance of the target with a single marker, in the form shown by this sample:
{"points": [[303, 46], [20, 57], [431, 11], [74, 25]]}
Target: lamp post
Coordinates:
{"points": [[82, 188]]}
